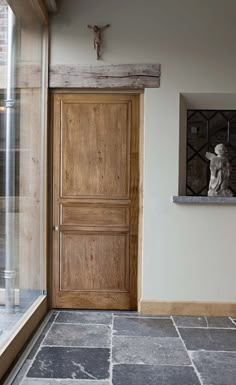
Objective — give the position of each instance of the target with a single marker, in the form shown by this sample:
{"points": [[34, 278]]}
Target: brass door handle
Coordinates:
{"points": [[56, 228]]}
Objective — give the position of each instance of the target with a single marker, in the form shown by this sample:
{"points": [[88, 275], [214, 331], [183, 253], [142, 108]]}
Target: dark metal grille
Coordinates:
{"points": [[206, 129]]}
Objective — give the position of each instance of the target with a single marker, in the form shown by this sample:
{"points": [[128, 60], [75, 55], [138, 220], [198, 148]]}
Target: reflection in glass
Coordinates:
{"points": [[21, 167]]}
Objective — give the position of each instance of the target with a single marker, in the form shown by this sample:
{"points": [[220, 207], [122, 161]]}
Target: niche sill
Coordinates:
{"points": [[204, 200]]}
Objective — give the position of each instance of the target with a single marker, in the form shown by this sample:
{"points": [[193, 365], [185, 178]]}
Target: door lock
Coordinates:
{"points": [[56, 228]]}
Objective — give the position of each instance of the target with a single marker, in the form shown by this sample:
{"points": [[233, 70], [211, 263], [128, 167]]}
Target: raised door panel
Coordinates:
{"points": [[92, 261], [95, 149], [94, 215]]}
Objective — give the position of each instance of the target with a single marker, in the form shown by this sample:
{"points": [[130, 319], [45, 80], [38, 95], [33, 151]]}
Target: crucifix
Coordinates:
{"points": [[98, 37]]}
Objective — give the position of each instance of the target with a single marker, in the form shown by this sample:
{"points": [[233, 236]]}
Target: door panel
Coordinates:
{"points": [[105, 161], [94, 215], [95, 200], [101, 253]]}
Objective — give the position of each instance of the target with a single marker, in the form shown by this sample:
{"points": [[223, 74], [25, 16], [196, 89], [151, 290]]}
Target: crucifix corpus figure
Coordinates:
{"points": [[98, 37]]}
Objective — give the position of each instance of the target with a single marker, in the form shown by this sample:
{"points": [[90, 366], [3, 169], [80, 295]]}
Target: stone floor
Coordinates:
{"points": [[104, 348]]}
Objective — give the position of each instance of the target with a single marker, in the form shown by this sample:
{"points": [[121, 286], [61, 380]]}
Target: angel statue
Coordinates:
{"points": [[97, 40], [220, 172]]}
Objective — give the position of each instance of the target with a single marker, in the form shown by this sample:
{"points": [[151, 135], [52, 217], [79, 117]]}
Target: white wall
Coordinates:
{"points": [[189, 251]]}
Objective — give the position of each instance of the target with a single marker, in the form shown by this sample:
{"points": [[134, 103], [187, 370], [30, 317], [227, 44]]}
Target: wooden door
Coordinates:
{"points": [[95, 200]]}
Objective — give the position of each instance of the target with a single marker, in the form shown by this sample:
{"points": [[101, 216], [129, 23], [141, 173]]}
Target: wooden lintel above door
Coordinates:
{"points": [[130, 76]]}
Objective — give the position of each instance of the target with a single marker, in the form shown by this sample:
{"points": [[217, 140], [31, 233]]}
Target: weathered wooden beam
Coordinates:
{"points": [[130, 76]]}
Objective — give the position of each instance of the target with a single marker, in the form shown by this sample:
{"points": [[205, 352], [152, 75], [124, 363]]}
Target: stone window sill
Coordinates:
{"points": [[204, 200]]}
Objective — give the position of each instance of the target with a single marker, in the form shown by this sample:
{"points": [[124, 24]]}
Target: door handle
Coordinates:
{"points": [[56, 228]]}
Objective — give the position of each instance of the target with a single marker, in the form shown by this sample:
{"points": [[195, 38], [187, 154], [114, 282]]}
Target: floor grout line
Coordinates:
{"points": [[233, 320], [147, 337], [212, 351], [156, 337], [81, 323], [142, 317], [76, 346], [194, 367], [205, 327], [206, 319], [156, 365], [57, 314], [76, 380]]}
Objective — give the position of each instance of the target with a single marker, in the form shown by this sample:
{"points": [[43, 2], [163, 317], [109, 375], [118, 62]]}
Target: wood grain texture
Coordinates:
{"points": [[130, 76], [99, 260], [94, 215], [96, 200], [93, 300], [188, 308], [29, 190], [105, 161]]}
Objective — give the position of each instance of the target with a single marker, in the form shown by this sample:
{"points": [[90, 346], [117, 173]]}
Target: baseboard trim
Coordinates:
{"points": [[188, 308]]}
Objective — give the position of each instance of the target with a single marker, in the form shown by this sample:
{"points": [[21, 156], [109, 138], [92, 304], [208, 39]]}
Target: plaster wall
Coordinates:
{"points": [[188, 251]]}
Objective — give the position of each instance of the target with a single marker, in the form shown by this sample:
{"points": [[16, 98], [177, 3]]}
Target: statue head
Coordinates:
{"points": [[221, 150]]}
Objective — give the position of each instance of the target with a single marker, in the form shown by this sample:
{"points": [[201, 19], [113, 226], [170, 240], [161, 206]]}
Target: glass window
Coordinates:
{"points": [[22, 93]]}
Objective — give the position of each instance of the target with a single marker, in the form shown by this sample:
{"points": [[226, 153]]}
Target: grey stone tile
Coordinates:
{"points": [[220, 322], [181, 321], [149, 350], [79, 335], [21, 372], [209, 339], [216, 368], [37, 381], [71, 363], [153, 375], [144, 327], [84, 317]]}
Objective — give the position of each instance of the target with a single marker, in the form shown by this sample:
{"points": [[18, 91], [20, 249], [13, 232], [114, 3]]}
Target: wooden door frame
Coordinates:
{"points": [[140, 93]]}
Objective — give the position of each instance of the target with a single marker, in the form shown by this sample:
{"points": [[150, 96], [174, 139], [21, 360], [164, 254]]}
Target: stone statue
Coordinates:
{"points": [[98, 38], [220, 172]]}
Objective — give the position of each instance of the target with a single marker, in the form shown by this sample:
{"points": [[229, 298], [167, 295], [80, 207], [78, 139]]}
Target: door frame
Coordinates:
{"points": [[52, 92]]}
